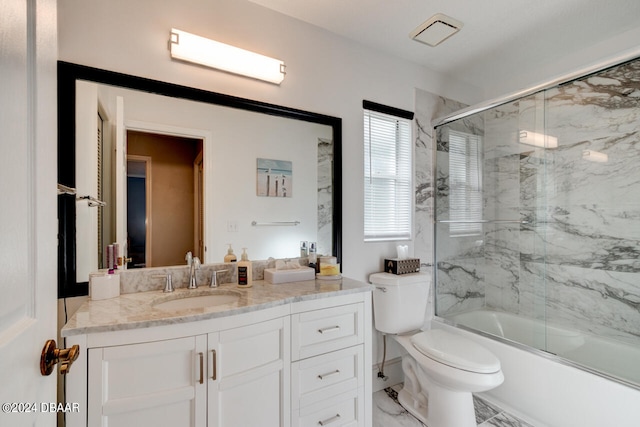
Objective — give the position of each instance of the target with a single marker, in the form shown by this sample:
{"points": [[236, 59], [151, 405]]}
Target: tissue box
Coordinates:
{"points": [[402, 266], [272, 275]]}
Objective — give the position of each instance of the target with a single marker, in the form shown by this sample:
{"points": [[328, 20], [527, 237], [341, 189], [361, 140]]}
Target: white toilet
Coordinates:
{"points": [[441, 369]]}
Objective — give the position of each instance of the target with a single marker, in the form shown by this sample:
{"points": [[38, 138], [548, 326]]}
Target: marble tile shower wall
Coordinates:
{"points": [[325, 196], [576, 259], [428, 106], [461, 259]]}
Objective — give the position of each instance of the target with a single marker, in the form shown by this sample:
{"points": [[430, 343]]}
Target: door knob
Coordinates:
{"points": [[52, 355]]}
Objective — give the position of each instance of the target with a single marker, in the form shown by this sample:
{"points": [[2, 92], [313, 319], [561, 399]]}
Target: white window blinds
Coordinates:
{"points": [[387, 177], [465, 184]]}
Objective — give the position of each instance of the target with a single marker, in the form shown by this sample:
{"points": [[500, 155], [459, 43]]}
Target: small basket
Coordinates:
{"points": [[402, 266]]}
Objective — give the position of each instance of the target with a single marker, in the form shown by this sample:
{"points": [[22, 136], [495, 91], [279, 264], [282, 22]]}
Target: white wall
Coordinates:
{"points": [[521, 74], [325, 74], [236, 200]]}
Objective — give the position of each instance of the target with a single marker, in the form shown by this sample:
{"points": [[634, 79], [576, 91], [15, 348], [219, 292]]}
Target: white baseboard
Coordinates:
{"points": [[393, 372]]}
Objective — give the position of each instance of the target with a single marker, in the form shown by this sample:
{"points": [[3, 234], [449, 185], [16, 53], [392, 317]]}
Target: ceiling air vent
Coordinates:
{"points": [[436, 29]]}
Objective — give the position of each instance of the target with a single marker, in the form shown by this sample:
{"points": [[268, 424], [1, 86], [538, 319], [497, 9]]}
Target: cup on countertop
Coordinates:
{"points": [[104, 286]]}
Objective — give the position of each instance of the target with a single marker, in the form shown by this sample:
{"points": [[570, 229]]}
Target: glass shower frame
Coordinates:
{"points": [[515, 264]]}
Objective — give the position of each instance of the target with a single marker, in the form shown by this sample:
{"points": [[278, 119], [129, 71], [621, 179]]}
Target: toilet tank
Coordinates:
{"points": [[399, 301]]}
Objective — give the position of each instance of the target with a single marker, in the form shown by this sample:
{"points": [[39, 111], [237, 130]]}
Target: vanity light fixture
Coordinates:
{"points": [[199, 50], [538, 139], [436, 29]]}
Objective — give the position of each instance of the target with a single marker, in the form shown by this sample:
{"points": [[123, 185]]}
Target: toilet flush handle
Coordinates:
{"points": [[380, 288]]}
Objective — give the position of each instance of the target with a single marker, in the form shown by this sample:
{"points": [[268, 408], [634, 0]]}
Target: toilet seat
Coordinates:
{"points": [[455, 351]]}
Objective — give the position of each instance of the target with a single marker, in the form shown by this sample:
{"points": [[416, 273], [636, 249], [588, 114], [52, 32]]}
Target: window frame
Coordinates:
{"points": [[401, 179]]}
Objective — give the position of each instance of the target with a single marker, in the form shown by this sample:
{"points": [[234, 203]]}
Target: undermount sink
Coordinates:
{"points": [[198, 301]]}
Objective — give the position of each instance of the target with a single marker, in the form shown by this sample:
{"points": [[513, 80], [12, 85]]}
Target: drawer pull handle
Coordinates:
{"points": [[215, 365], [329, 329], [329, 420], [329, 374], [201, 367]]}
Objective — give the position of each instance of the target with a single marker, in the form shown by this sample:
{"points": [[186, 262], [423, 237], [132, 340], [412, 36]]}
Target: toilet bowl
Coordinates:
{"points": [[441, 370]]}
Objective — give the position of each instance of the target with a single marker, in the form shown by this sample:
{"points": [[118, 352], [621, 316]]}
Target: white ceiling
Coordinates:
{"points": [[499, 36]]}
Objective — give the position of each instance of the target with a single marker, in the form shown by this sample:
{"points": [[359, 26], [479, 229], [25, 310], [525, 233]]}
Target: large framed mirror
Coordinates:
{"points": [[255, 175]]}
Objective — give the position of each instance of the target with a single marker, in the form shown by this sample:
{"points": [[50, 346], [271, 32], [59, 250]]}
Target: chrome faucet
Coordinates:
{"points": [[214, 278], [168, 285], [194, 265]]}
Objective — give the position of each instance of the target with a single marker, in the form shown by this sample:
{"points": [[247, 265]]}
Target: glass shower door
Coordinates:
{"points": [[537, 221]]}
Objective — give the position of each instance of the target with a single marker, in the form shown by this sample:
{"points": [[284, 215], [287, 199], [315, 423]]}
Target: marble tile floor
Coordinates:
{"points": [[387, 412]]}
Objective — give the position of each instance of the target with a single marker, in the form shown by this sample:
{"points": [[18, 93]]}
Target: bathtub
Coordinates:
{"points": [[609, 357], [580, 380]]}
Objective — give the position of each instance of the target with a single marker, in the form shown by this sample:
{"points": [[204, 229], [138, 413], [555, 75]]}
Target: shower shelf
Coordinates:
{"points": [[482, 221]]}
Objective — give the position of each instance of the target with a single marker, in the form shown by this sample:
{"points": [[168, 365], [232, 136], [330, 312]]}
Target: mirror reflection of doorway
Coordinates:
{"points": [[163, 221], [138, 203]]}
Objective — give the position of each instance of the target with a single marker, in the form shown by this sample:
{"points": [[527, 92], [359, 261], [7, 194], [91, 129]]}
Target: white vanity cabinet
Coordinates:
{"points": [[303, 363], [237, 374], [330, 384]]}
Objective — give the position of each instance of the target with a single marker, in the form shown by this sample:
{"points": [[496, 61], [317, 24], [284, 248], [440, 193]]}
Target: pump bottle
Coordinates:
{"points": [[230, 256], [245, 273]]}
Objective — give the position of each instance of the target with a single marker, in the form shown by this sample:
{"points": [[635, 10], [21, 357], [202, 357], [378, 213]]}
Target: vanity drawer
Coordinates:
{"points": [[344, 410], [321, 331], [321, 377]]}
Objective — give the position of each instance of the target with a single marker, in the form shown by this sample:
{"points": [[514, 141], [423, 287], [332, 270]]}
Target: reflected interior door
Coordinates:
{"points": [[198, 209], [139, 225], [172, 190]]}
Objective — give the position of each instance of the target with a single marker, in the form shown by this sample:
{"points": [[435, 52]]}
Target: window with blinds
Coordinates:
{"points": [[387, 175], [465, 184]]}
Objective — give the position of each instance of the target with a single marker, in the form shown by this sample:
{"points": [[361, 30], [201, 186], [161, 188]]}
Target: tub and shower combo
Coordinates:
{"points": [[537, 243]]}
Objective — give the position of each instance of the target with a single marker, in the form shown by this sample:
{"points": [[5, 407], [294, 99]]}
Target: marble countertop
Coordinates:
{"points": [[137, 310]]}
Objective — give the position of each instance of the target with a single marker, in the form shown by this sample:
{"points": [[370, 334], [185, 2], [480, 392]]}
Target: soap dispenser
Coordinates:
{"points": [[245, 272], [230, 256]]}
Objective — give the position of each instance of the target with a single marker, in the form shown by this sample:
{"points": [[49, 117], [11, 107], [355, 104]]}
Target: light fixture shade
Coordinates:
{"points": [[200, 50], [538, 139], [595, 156]]}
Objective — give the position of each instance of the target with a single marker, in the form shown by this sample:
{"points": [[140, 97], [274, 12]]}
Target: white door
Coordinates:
{"points": [[28, 245]]}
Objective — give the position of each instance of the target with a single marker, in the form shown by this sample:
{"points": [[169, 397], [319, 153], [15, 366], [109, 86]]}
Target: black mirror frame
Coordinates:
{"points": [[68, 73]]}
